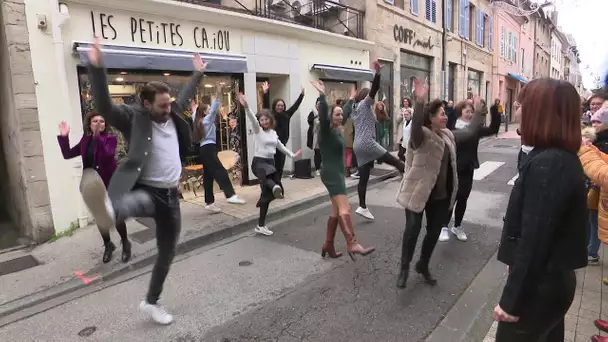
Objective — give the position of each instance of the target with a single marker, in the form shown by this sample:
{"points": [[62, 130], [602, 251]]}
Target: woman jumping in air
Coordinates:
{"points": [[365, 146], [331, 145], [97, 149], [263, 165]]}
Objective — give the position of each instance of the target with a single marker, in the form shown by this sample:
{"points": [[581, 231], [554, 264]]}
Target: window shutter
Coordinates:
{"points": [[448, 15], [490, 33], [482, 28], [515, 49], [509, 46], [462, 18], [467, 19], [502, 42], [434, 11], [427, 8], [414, 6]]}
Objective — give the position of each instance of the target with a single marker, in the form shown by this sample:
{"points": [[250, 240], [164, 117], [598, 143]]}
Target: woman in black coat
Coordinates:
{"points": [[544, 237]]}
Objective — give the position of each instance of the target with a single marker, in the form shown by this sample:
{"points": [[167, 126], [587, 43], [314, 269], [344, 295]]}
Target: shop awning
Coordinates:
{"points": [[134, 58], [338, 73], [519, 78]]}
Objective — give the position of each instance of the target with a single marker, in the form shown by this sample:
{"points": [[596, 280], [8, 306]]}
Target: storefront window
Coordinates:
{"points": [[336, 90], [413, 67], [384, 133], [124, 87], [473, 83]]}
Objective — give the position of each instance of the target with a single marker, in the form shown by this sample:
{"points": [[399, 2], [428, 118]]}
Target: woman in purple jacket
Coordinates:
{"points": [[97, 149]]}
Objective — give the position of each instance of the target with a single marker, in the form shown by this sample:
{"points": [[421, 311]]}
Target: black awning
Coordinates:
{"points": [[134, 58], [338, 73]]}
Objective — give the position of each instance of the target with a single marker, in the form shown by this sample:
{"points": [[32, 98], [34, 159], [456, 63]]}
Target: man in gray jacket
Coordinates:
{"points": [[146, 182]]}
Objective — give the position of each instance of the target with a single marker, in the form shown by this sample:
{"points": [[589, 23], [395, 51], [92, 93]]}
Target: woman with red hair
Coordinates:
{"points": [[544, 237]]}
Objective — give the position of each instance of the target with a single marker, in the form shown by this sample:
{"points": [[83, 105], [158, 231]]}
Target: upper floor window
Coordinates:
{"points": [[480, 28], [431, 10], [464, 16], [414, 7], [449, 13]]}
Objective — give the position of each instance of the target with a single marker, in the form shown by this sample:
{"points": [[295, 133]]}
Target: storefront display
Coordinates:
{"points": [[473, 83], [414, 67]]}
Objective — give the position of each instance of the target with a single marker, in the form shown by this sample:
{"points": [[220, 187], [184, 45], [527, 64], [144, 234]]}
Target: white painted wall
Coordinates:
{"points": [[290, 54]]}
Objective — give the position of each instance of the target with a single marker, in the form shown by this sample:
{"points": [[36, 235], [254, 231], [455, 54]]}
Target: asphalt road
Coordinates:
{"points": [[277, 288]]}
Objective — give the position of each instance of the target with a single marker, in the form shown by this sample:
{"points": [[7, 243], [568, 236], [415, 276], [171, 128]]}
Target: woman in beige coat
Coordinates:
{"points": [[430, 180]]}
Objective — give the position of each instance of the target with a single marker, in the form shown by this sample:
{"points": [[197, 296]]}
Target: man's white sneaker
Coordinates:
{"points": [[318, 173], [445, 234], [355, 175], [156, 312], [263, 230], [460, 235], [365, 213], [234, 199], [213, 209]]}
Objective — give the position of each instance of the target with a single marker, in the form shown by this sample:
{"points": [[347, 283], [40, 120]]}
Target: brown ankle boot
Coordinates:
{"points": [[328, 246], [352, 246]]}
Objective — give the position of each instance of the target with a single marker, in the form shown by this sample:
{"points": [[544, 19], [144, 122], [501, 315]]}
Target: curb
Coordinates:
{"points": [[470, 319], [188, 244]]}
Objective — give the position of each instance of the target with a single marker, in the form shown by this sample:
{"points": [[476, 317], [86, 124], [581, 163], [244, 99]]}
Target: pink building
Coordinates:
{"points": [[512, 67]]}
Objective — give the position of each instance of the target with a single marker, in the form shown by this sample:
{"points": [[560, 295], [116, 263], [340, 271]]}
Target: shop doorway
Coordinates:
{"points": [[124, 86], [451, 81], [508, 105]]}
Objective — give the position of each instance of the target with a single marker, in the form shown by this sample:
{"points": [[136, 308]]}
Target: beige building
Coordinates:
{"points": [[543, 28], [45, 48]]}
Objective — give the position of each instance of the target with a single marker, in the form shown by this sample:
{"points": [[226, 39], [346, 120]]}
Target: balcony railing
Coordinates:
{"points": [[324, 15]]}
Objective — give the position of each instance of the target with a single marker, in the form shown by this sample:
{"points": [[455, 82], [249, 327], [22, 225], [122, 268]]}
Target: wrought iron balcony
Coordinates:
{"points": [[324, 15]]}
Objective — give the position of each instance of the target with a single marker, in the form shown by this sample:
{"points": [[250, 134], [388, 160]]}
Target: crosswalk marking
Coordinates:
{"points": [[512, 181], [485, 169]]}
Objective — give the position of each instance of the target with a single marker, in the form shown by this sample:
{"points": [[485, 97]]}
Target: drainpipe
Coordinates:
{"points": [[60, 16], [444, 59]]}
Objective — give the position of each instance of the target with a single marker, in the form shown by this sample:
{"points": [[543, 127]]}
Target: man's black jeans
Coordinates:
{"points": [[167, 218]]}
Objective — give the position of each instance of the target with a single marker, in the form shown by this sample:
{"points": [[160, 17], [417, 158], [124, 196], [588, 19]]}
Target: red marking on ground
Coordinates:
{"points": [[84, 279]]}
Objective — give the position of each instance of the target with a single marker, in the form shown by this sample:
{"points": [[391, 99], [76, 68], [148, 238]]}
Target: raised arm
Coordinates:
{"points": [[416, 132], [595, 165], [255, 124], [187, 92], [296, 104], [215, 108], [66, 151], [473, 130], [493, 128], [347, 107], [543, 204], [324, 120]]}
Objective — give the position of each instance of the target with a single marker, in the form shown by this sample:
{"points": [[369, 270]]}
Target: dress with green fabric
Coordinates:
{"points": [[331, 146]]}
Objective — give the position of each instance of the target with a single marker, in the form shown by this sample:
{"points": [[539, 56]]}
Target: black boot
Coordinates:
{"points": [[423, 269], [402, 280], [126, 251], [107, 253]]}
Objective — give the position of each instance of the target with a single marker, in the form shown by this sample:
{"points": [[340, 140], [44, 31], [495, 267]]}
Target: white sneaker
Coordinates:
{"points": [[445, 234], [213, 209], [263, 230], [277, 192], [156, 312], [318, 173], [460, 235], [234, 199], [365, 213], [355, 175]]}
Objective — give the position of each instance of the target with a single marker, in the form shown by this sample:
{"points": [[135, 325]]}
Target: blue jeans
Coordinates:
{"points": [[594, 241]]}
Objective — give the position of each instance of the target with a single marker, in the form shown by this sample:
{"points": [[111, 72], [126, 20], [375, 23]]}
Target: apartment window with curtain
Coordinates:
{"points": [[449, 13], [490, 33], [431, 10], [514, 47], [503, 42], [414, 7], [479, 27]]}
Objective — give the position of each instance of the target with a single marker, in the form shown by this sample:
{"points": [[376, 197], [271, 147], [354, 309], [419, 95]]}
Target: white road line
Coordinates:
{"points": [[485, 169], [512, 181]]}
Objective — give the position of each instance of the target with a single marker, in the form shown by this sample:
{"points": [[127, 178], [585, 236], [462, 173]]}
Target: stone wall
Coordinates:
{"points": [[27, 191]]}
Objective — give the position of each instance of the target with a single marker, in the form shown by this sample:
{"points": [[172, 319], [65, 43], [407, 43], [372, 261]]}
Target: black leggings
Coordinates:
{"points": [[121, 228], [465, 185], [213, 170], [542, 315], [317, 159], [266, 196], [435, 211], [365, 171], [279, 164]]}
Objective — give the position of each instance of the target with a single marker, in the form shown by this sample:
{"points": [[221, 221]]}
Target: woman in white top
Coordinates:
{"points": [[403, 132], [266, 144]]}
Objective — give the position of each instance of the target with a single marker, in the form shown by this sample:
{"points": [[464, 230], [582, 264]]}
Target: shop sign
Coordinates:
{"points": [[408, 36], [142, 30]]}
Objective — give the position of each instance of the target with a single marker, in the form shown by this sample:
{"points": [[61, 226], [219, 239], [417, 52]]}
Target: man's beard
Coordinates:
{"points": [[160, 117]]}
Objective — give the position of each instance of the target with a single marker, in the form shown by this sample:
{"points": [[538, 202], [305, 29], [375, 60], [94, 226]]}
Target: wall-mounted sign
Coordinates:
{"points": [[407, 36], [161, 33]]}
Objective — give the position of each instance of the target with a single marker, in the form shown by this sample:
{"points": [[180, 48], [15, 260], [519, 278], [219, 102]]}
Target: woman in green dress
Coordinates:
{"points": [[331, 145]]}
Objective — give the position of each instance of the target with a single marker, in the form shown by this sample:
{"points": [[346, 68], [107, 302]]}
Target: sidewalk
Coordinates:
{"points": [[590, 303], [81, 252]]}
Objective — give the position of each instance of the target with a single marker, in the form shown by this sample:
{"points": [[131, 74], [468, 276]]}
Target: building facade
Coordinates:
{"points": [[511, 59], [556, 64], [407, 40], [154, 40], [543, 27], [574, 73]]}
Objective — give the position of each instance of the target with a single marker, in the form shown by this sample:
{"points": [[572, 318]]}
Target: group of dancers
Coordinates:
{"points": [[145, 184]]}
